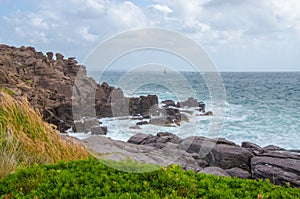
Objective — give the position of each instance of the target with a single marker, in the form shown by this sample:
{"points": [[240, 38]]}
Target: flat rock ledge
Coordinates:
{"points": [[200, 154]]}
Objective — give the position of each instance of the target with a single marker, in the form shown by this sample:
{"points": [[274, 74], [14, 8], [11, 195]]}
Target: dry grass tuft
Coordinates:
{"points": [[25, 139]]}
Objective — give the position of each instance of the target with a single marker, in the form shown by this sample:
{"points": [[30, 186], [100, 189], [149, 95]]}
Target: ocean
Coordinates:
{"points": [[261, 107]]}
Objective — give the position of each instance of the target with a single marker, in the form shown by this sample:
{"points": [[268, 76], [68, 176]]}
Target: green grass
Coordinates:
{"points": [[92, 179], [6, 90], [25, 139]]}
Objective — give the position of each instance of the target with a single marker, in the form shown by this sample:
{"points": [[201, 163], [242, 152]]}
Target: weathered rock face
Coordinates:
{"points": [[118, 150], [99, 130], [238, 172], [142, 105], [280, 167], [158, 141], [85, 124], [190, 103], [225, 158], [61, 90]]}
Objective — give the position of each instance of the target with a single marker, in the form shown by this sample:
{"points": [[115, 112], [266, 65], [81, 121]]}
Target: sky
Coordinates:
{"points": [[238, 35]]}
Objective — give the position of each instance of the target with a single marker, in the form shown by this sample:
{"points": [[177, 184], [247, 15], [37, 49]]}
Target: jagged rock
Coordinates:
{"points": [[78, 126], [158, 141], [90, 122], [273, 148], [238, 172], [30, 61], [184, 117], [202, 163], [224, 141], [208, 113], [221, 155], [214, 171], [165, 116], [49, 55], [86, 125], [142, 123], [253, 147], [165, 148], [161, 121], [226, 156], [61, 90], [191, 102], [168, 103], [59, 56], [139, 138], [135, 127], [119, 150], [249, 145], [280, 168], [99, 130], [164, 137]]}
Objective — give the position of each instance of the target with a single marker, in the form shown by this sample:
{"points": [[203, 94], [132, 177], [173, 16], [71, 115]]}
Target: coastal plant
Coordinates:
{"points": [[25, 139], [93, 179], [6, 90], [129, 165]]}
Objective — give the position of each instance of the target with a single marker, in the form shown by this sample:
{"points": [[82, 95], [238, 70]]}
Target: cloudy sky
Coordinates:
{"points": [[239, 35]]}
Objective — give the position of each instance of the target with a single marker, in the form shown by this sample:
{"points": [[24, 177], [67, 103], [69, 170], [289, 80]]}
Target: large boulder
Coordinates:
{"points": [[158, 141], [238, 172], [223, 154], [253, 147], [280, 167], [139, 138], [192, 103], [88, 124], [99, 130], [169, 103]]}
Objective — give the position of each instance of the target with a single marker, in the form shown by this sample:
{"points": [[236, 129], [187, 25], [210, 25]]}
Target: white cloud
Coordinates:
{"points": [[19, 32], [84, 31], [247, 26], [161, 8], [126, 14], [98, 5], [37, 21]]}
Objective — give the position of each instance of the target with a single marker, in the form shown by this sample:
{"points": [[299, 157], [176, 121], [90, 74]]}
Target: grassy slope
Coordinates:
{"points": [[25, 139], [92, 179]]}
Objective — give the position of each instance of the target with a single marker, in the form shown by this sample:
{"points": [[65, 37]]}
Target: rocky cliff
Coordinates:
{"points": [[48, 83]]}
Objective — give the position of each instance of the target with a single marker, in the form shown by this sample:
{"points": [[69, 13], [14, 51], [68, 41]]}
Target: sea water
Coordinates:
{"points": [[263, 108]]}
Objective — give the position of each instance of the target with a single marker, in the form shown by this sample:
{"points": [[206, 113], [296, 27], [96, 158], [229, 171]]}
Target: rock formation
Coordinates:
{"points": [[225, 158], [61, 90]]}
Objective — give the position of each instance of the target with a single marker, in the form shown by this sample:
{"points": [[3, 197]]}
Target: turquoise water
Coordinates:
{"points": [[263, 108]]}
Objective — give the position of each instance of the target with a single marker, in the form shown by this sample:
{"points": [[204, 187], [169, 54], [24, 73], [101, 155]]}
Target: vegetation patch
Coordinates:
{"points": [[93, 179], [25, 139], [6, 90]]}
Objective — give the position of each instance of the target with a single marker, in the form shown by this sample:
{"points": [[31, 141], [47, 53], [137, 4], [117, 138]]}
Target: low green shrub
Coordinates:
{"points": [[131, 166], [92, 179]]}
